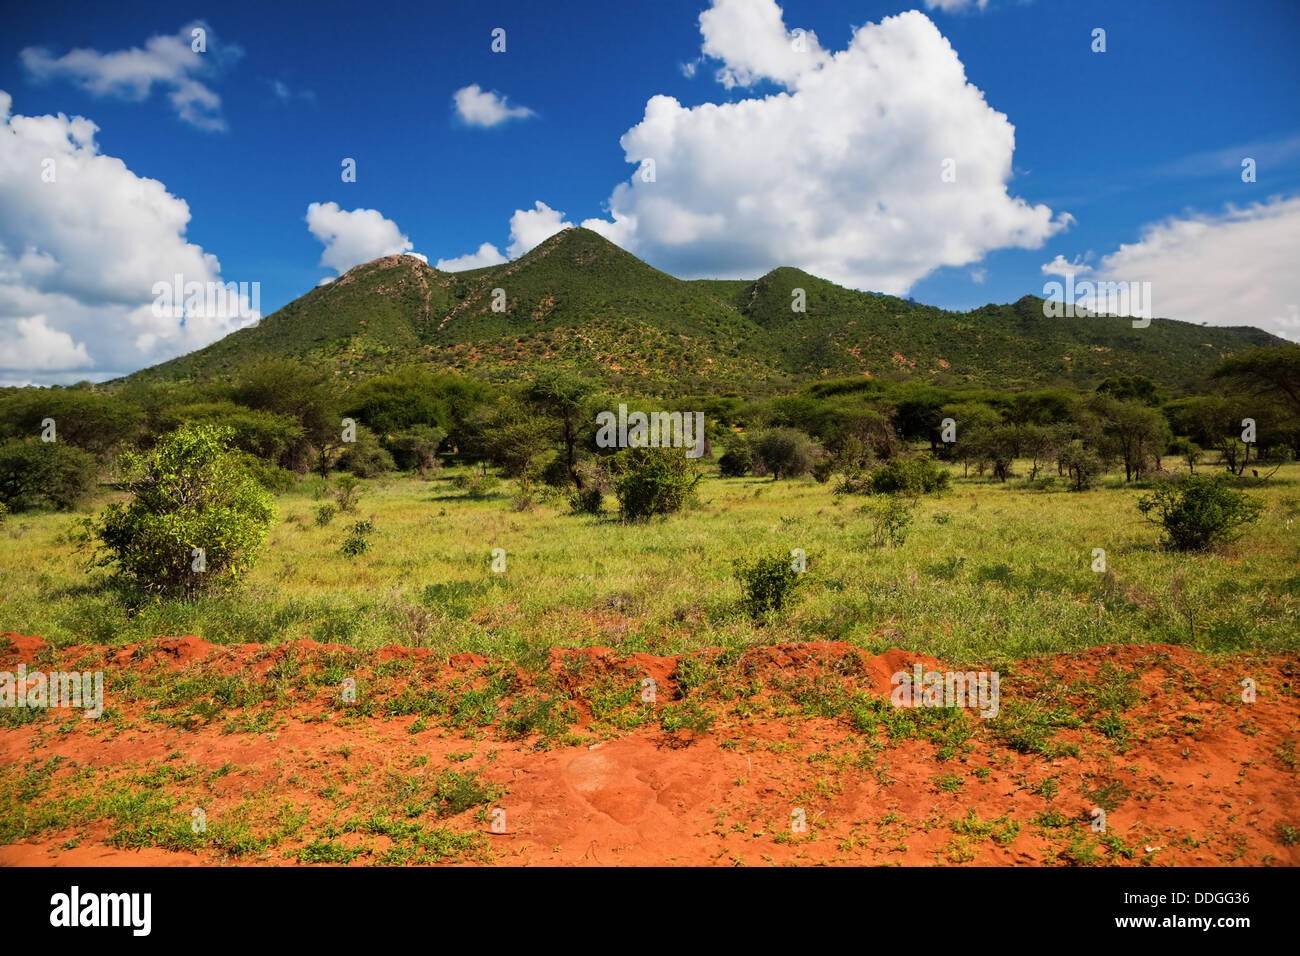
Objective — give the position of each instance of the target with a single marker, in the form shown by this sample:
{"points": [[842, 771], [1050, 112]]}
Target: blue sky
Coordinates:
{"points": [[1126, 164]]}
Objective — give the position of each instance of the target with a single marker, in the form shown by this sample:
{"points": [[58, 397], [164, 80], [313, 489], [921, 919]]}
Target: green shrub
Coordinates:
{"points": [[556, 473], [1199, 511], [325, 513], [890, 518], [347, 492], [190, 492], [356, 543], [365, 457], [686, 716], [654, 481], [271, 477], [590, 501], [786, 452], [908, 476], [737, 461], [768, 583], [35, 474], [477, 485]]}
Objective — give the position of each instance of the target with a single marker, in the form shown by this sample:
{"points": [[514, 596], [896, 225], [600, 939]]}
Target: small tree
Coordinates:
{"points": [[1082, 464], [654, 481], [195, 521], [37, 474], [566, 399], [347, 492], [787, 452], [417, 448], [1199, 512], [1188, 451]]}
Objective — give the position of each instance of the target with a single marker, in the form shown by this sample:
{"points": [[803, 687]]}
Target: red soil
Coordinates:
{"points": [[1207, 779]]}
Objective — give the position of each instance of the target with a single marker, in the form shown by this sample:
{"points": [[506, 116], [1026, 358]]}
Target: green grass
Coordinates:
{"points": [[1005, 575]]}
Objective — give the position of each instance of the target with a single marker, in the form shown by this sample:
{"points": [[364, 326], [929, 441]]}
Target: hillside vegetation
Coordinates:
{"points": [[578, 301]]}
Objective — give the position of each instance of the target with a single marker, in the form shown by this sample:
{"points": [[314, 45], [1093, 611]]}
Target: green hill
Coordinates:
{"points": [[579, 301]]}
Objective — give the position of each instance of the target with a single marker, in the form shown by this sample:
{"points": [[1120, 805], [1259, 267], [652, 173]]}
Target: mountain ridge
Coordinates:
{"points": [[581, 301]]}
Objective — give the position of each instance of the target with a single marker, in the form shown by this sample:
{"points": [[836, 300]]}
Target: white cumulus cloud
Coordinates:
{"points": [[479, 107], [486, 255], [528, 228], [876, 164], [1234, 268], [751, 41], [1060, 266], [33, 345], [169, 62], [351, 238], [843, 174], [83, 242]]}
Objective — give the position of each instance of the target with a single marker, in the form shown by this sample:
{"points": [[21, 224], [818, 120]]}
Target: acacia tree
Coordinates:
{"points": [[1137, 432], [567, 400], [512, 437], [286, 387], [974, 422], [1274, 371]]}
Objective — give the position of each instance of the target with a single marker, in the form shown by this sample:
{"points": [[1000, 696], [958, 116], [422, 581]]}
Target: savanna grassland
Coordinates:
{"points": [[987, 572]]}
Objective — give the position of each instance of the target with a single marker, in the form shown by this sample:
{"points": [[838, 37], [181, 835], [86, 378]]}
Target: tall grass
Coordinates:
{"points": [[988, 572]]}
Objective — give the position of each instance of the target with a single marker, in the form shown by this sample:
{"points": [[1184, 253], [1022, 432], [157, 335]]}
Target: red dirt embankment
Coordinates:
{"points": [[788, 754]]}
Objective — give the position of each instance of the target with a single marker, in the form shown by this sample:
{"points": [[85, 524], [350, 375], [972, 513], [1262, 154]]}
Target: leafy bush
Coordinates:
{"points": [[34, 474], [654, 481], [356, 543], [788, 453], [890, 518], [325, 513], [686, 716], [365, 457], [347, 491], [768, 583], [189, 492], [908, 476], [556, 474], [271, 477], [476, 484], [590, 501], [737, 461], [1199, 511]]}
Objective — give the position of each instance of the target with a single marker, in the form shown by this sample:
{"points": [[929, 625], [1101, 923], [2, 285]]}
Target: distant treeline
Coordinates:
{"points": [[289, 419]]}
